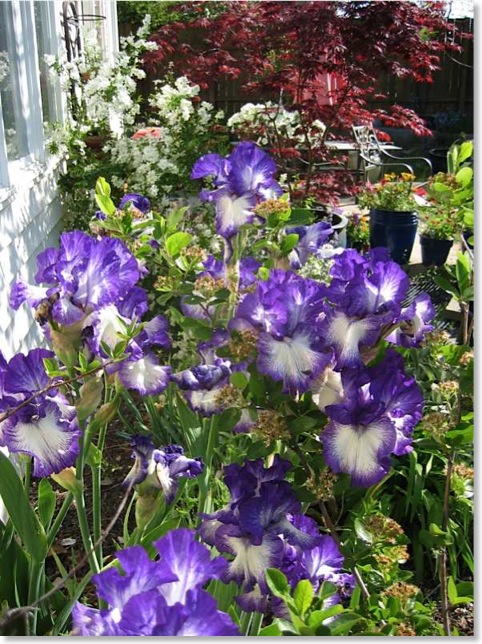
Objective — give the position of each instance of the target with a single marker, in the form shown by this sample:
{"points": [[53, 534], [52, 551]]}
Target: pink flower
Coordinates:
{"points": [[156, 132]]}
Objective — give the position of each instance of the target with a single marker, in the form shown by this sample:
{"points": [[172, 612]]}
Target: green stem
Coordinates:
{"points": [[34, 590], [97, 494], [256, 624], [85, 531], [52, 533], [204, 495]]}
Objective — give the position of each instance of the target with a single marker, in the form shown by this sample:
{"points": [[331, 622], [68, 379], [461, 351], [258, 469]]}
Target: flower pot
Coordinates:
{"points": [[337, 220], [435, 251], [395, 230]]}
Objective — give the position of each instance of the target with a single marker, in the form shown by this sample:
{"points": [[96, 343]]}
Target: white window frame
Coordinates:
{"points": [[29, 107]]}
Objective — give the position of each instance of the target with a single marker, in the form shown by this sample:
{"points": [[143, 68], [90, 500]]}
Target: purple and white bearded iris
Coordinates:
{"points": [[202, 385], [375, 419], [162, 597], [310, 241], [414, 322], [260, 521], [85, 274], [366, 296], [46, 427], [161, 468], [242, 179], [284, 310], [140, 370]]}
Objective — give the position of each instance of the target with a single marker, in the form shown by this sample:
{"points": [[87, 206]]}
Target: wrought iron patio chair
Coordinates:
{"points": [[372, 156]]}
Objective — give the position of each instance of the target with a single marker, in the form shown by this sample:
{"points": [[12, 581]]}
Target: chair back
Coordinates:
{"points": [[367, 143]]}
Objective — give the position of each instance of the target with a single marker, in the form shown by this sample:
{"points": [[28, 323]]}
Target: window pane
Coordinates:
{"points": [[47, 85], [15, 132]]}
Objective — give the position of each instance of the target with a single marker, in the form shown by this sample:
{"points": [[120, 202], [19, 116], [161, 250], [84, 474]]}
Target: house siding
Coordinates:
{"points": [[30, 221]]}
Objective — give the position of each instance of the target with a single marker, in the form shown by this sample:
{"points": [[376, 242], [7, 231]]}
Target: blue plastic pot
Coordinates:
{"points": [[395, 230]]}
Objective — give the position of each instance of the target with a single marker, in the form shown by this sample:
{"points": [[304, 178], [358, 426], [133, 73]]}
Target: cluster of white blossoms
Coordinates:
{"points": [[154, 159], [265, 122], [147, 163], [103, 90], [176, 103]]}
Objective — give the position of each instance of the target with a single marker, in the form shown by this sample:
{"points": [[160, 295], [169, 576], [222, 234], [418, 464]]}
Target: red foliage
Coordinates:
{"points": [[326, 58], [302, 47]]}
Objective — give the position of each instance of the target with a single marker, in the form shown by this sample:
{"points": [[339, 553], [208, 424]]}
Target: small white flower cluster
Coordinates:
{"points": [[265, 122], [176, 104], [102, 92], [156, 160]]}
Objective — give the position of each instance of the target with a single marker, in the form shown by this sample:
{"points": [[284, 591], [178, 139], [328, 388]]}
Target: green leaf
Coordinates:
{"points": [[303, 596], [317, 617], [464, 176], [446, 285], [20, 511], [362, 533], [465, 151], [176, 242], [102, 187], [451, 590], [277, 582], [46, 502], [344, 623], [288, 243], [273, 630], [105, 204], [239, 380], [303, 424], [175, 217]]}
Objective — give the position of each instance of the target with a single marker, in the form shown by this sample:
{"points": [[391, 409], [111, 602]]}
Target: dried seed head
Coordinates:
{"points": [[271, 426]]}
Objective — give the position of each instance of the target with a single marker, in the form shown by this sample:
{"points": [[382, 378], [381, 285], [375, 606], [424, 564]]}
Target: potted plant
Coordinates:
{"points": [[439, 227], [393, 214], [358, 232]]}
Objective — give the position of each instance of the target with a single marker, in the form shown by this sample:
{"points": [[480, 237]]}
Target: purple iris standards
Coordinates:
{"points": [[135, 200], [242, 179], [85, 274], [366, 296], [260, 522], [46, 427], [202, 385], [284, 310], [162, 597], [310, 242], [161, 468], [375, 419]]}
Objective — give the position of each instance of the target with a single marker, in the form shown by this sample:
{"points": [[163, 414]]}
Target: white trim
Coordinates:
{"points": [[34, 118], [4, 176]]}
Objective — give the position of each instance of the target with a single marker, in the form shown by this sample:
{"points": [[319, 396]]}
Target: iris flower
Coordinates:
{"points": [[46, 427], [162, 597]]}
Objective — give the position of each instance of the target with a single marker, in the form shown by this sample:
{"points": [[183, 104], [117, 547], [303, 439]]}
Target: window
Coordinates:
{"points": [[21, 136]]}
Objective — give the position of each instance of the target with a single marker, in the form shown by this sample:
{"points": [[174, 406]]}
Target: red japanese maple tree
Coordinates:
{"points": [[324, 58]]}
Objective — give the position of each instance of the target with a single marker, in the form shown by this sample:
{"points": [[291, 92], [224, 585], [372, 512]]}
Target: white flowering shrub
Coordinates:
{"points": [[153, 158], [102, 93], [270, 125], [157, 159]]}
